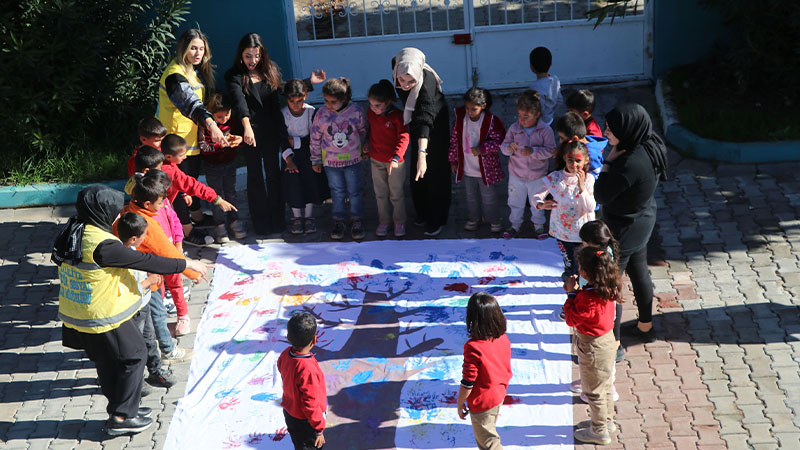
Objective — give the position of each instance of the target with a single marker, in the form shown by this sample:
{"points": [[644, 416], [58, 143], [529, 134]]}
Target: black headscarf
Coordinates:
{"points": [[99, 205], [631, 124]]}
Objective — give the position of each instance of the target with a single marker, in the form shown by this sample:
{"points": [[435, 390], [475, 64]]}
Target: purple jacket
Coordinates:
{"points": [[337, 137], [541, 140], [492, 131]]}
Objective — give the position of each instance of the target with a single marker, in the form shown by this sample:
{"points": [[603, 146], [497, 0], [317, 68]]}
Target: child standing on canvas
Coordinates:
{"points": [[573, 201], [591, 311], [474, 145], [304, 395], [529, 145], [339, 131], [301, 186], [388, 141], [487, 369]]}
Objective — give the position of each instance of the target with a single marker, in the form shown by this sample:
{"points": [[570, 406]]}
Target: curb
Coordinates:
{"points": [[695, 146], [55, 194]]}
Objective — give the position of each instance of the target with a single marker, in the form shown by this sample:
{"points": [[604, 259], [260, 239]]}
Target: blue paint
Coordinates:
{"points": [[264, 397], [226, 393], [495, 289], [362, 377], [425, 269], [454, 274], [343, 365], [376, 263], [378, 360]]}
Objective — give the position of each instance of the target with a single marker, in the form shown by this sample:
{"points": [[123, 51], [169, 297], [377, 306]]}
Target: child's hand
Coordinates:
{"points": [[234, 140], [152, 279], [476, 151], [581, 180], [547, 204], [555, 152], [365, 152], [317, 76], [188, 200], [226, 206], [463, 411], [512, 147], [571, 285], [291, 167], [291, 141], [526, 151], [454, 169], [317, 168], [393, 165], [320, 441]]}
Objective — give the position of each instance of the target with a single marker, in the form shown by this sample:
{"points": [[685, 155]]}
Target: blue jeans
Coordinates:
{"points": [[159, 314], [346, 182]]}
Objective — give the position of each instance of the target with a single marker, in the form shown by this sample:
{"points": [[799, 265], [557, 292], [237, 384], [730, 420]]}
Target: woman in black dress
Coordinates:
{"points": [[425, 112]]}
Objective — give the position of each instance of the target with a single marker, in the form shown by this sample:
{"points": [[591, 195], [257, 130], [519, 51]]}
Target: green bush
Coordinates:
{"points": [[77, 77]]}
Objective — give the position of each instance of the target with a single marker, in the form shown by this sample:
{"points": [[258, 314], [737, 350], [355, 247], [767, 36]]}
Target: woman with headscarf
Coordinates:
{"points": [[425, 112], [181, 92], [625, 187], [98, 298]]}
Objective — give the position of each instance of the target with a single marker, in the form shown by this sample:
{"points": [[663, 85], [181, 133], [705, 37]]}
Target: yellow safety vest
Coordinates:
{"points": [[170, 116], [95, 299]]}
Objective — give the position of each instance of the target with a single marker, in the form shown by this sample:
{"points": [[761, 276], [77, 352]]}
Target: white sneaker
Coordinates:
{"points": [[177, 355], [588, 435], [169, 305], [611, 426], [221, 234], [575, 387]]}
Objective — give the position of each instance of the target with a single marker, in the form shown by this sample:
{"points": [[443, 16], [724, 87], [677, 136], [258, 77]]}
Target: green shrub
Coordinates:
{"points": [[77, 77]]}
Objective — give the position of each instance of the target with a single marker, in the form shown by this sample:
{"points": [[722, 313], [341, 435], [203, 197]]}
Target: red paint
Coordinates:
{"points": [[220, 315], [245, 281], [279, 434], [486, 280], [509, 400], [450, 398], [457, 287], [230, 295], [229, 404]]}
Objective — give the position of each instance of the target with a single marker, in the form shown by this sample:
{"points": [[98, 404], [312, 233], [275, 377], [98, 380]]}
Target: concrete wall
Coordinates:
{"points": [[225, 22], [685, 32]]}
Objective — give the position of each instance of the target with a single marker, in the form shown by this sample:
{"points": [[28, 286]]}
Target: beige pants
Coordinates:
{"points": [[483, 424], [389, 191], [596, 358]]}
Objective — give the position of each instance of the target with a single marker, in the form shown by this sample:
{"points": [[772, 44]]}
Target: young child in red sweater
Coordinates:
{"points": [[304, 396], [591, 311], [581, 102], [151, 133], [486, 370], [388, 141]]}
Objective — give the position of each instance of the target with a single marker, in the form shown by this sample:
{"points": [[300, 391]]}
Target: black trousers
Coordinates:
{"points": [[569, 252], [431, 193], [144, 322], [267, 207], [303, 436], [635, 265], [120, 356]]}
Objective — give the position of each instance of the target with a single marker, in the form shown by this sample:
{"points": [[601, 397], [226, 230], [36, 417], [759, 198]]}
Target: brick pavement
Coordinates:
{"points": [[724, 373]]}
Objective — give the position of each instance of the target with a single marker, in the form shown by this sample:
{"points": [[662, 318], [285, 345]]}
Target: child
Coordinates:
{"points": [[581, 102], [220, 167], [337, 135], [131, 229], [529, 145], [151, 133], [570, 126], [573, 200], [301, 186], [547, 85], [304, 395], [174, 149], [474, 144], [388, 142], [487, 369], [591, 311]]}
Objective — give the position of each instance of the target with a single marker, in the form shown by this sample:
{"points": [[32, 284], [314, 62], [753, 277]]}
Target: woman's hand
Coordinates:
{"points": [[422, 166], [614, 154], [197, 266], [581, 180], [249, 137], [291, 167], [317, 76], [217, 135]]}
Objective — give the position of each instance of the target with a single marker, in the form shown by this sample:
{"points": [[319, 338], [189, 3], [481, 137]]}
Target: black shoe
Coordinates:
{"points": [[642, 336], [357, 230], [144, 411], [434, 231], [162, 378], [199, 238], [131, 425], [419, 223], [206, 222], [338, 230], [620, 354]]}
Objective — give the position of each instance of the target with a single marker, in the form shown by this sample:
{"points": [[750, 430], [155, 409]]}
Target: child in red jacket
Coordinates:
{"points": [[388, 141], [151, 133], [474, 146], [304, 396], [487, 369], [591, 311]]}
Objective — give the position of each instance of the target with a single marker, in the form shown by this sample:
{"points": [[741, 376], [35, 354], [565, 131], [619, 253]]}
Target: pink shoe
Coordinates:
{"points": [[183, 327], [399, 230]]}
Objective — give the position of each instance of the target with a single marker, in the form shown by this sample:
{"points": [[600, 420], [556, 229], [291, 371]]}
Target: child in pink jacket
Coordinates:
{"points": [[529, 144], [474, 144]]}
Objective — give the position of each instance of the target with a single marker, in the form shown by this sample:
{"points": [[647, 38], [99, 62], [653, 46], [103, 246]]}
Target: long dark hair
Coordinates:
{"points": [[266, 67], [601, 271], [596, 233]]}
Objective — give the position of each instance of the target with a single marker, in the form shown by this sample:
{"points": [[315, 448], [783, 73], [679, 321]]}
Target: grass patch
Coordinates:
{"points": [[69, 166], [711, 104]]}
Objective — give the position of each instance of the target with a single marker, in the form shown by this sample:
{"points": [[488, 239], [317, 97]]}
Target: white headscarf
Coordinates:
{"points": [[411, 61]]}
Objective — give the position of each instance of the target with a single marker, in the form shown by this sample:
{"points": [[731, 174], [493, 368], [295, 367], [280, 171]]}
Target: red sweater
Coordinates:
{"points": [[588, 312], [304, 395], [487, 371], [592, 128], [132, 162], [388, 136], [185, 183]]}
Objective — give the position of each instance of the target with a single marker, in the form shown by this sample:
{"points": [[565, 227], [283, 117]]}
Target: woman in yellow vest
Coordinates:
{"points": [[181, 92], [99, 296]]}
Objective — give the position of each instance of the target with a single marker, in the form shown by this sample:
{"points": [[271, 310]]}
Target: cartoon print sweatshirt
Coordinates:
{"points": [[337, 137]]}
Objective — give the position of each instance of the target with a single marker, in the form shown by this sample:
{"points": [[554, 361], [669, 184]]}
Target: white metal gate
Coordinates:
{"points": [[483, 42]]}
